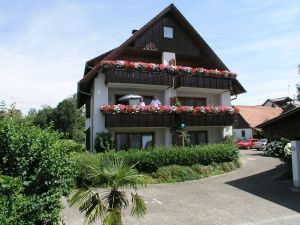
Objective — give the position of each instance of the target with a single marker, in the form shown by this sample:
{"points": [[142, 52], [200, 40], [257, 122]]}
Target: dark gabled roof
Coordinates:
{"points": [[91, 71]]}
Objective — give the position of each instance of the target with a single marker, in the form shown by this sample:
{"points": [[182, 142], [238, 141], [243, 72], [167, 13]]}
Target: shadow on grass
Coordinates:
{"points": [[275, 190]]}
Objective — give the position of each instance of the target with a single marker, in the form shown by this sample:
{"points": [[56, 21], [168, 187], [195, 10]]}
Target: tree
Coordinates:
{"points": [[69, 119], [65, 118], [109, 205]]}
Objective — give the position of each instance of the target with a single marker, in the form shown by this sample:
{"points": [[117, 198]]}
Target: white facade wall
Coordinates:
{"points": [[99, 97], [237, 133]]}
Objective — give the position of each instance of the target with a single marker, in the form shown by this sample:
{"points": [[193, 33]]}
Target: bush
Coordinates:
{"points": [[12, 201], [84, 162], [73, 146], [148, 161], [175, 173], [40, 160], [276, 148], [104, 142]]}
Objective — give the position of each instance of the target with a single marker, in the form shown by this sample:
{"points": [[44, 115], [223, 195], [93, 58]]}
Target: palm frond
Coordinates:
{"points": [[138, 205], [119, 174], [94, 209], [113, 217], [80, 196]]}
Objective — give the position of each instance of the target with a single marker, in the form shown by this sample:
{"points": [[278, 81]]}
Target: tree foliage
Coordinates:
{"points": [[65, 118], [38, 171]]}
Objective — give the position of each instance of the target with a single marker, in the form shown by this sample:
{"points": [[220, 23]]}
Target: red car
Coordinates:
{"points": [[247, 144]]}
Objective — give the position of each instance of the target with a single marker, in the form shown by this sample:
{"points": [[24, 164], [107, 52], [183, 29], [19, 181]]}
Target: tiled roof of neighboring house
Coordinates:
{"points": [[255, 115]]}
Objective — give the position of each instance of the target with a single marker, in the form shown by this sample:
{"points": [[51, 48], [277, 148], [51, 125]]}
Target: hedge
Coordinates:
{"points": [[148, 161]]}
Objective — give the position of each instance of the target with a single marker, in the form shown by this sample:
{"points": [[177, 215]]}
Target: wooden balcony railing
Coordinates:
{"points": [[138, 77], [167, 120], [139, 120], [190, 119], [198, 81]]}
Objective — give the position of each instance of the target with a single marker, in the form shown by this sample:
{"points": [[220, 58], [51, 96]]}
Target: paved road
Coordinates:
{"points": [[251, 195]]}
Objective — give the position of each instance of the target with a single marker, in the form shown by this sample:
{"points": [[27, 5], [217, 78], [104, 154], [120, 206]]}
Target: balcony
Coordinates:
{"points": [[167, 120], [139, 120], [190, 119], [138, 77], [199, 81]]}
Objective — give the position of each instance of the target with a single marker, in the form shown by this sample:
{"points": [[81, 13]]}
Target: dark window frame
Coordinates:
{"points": [[243, 133], [200, 131], [133, 133]]}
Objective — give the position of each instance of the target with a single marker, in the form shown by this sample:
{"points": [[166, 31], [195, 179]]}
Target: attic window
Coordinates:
{"points": [[168, 32]]}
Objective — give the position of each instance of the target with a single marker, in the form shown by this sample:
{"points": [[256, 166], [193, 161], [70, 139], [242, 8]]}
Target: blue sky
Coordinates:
{"points": [[44, 44]]}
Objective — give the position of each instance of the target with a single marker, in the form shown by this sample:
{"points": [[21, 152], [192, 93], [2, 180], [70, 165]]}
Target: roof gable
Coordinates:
{"points": [[170, 16]]}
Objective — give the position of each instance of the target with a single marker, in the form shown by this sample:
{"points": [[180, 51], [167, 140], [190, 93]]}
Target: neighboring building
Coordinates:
{"points": [[290, 106], [278, 102], [285, 125], [250, 116], [168, 39]]}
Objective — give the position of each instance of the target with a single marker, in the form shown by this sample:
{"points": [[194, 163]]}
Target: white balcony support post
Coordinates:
{"points": [[100, 97], [168, 137], [225, 100], [168, 94], [296, 162]]}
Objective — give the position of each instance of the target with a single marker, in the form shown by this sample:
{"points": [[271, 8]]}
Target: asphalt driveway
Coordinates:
{"points": [[251, 195]]}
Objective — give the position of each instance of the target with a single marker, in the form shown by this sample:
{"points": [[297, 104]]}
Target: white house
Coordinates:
{"points": [[199, 78]]}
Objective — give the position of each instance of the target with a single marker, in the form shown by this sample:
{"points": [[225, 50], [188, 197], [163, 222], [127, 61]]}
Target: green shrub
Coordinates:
{"points": [[73, 146], [84, 162], [149, 161], [104, 142], [276, 148], [175, 173], [12, 201], [41, 162]]}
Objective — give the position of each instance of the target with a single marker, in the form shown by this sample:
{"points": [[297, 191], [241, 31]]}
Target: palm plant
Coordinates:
{"points": [[108, 205]]}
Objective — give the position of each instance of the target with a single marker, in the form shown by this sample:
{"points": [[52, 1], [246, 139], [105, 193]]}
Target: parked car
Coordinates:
{"points": [[247, 144], [261, 144]]}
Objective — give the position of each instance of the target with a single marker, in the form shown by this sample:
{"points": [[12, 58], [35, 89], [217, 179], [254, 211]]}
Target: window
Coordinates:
{"points": [[168, 32], [134, 140], [243, 133], [197, 137]]}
